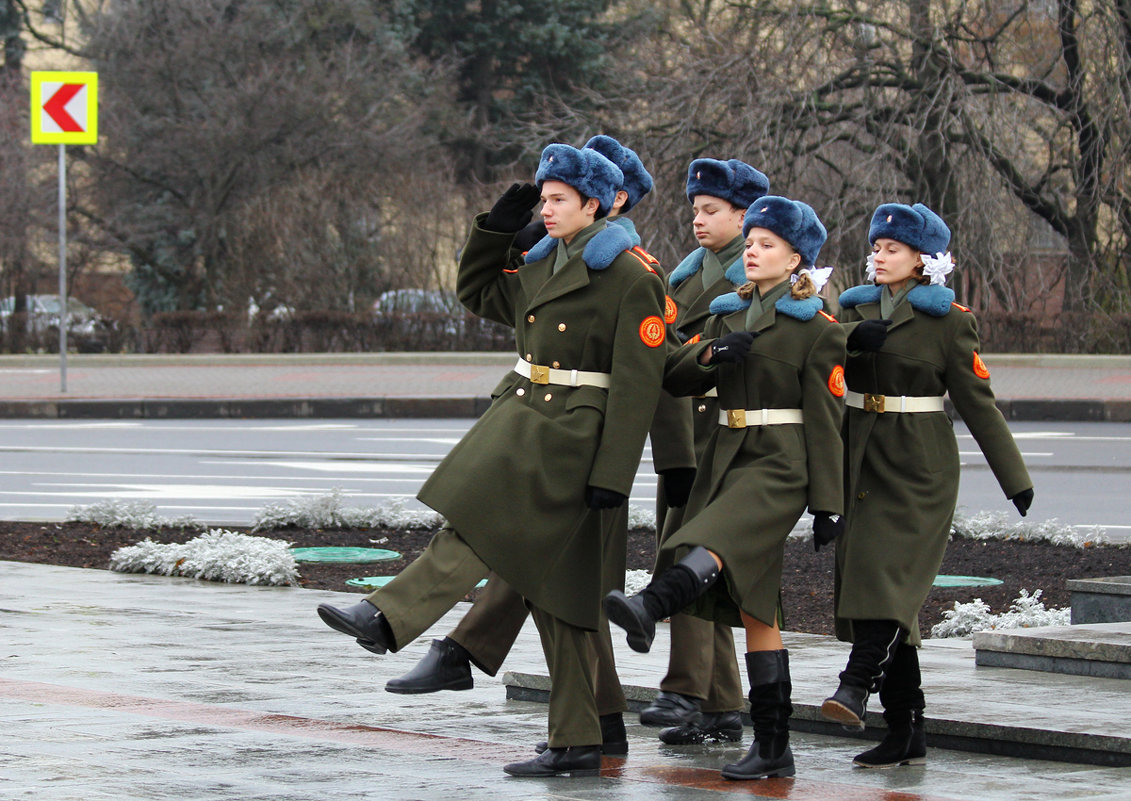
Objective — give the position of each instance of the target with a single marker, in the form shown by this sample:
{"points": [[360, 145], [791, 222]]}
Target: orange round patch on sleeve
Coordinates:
{"points": [[836, 382], [652, 331], [671, 311], [980, 368]]}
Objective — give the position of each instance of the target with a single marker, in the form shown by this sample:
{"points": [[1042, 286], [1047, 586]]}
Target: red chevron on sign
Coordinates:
{"points": [[56, 107]]}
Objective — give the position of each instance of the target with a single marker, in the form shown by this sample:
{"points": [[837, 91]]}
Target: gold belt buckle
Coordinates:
{"points": [[736, 418], [873, 403], [539, 374]]}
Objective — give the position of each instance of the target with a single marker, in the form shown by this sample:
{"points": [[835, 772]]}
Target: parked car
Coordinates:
{"points": [[88, 331]]}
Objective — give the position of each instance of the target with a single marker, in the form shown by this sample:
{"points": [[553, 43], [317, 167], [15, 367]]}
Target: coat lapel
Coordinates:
{"points": [[903, 313], [573, 275], [700, 307]]}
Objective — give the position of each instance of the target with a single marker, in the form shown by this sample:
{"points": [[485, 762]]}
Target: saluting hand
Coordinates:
{"points": [[1023, 500], [731, 347], [513, 210], [826, 528], [868, 335]]}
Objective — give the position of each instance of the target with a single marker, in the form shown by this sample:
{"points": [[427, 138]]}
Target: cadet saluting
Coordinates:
{"points": [[777, 361], [908, 344], [529, 490]]}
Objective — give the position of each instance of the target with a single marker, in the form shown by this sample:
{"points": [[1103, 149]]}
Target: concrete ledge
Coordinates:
{"points": [[1101, 650], [975, 735], [1100, 600]]}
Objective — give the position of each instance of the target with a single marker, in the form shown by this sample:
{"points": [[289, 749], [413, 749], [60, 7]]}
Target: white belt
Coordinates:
{"points": [[893, 403], [539, 374], [713, 392], [745, 418]]}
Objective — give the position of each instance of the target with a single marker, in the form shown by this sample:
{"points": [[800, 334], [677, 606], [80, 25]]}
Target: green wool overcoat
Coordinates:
{"points": [[514, 486], [901, 469], [755, 483]]}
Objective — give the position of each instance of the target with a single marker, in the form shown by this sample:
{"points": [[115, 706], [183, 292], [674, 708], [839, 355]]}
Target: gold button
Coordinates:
{"points": [[548, 396], [860, 496], [530, 318], [520, 392], [556, 365], [702, 407], [529, 358], [561, 326]]}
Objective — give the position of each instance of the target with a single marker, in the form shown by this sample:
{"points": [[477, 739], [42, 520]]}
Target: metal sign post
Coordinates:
{"points": [[64, 111]]}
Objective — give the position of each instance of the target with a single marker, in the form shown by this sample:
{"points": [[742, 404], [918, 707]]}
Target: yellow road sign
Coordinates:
{"points": [[64, 108]]}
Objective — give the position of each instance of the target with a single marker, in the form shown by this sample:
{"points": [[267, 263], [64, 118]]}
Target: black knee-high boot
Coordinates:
{"points": [[770, 709], [902, 696], [873, 647], [667, 594]]}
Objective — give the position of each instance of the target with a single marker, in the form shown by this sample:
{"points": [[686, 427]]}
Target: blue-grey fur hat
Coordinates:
{"points": [[916, 226], [731, 180], [586, 170], [792, 220], [637, 180]]}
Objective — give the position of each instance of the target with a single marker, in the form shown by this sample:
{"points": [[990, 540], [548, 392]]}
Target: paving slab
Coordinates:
{"points": [[146, 687], [1101, 650]]}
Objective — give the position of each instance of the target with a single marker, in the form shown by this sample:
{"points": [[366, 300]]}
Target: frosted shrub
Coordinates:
{"points": [[1002, 526], [329, 511], [635, 581], [217, 555], [641, 517], [128, 514], [1026, 611]]}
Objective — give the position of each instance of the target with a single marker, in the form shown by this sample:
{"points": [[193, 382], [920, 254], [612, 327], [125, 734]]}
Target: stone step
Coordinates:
{"points": [[1100, 600], [1101, 650]]}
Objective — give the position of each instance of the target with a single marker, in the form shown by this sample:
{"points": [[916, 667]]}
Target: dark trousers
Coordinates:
{"points": [[702, 664]]}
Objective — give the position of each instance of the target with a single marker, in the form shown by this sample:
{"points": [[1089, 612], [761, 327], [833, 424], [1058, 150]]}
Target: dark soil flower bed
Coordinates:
{"points": [[807, 580]]}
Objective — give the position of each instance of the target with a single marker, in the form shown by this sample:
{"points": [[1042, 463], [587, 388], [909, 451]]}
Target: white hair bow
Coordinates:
{"points": [[938, 267], [818, 275], [870, 268]]}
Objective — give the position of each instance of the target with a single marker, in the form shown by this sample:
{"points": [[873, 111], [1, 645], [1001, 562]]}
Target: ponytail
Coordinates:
{"points": [[803, 287]]}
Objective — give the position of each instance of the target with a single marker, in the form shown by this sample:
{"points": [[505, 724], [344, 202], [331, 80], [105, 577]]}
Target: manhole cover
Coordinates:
{"points": [[355, 556], [965, 581], [375, 582]]}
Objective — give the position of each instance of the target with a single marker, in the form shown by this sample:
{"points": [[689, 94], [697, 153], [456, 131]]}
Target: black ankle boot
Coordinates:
{"points": [[667, 594], [446, 666], [614, 739], [583, 760], [364, 622], [873, 647], [904, 744], [770, 709], [708, 727]]}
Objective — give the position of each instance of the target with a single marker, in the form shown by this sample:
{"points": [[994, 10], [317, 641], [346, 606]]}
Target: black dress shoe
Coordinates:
{"points": [[446, 666], [614, 739], [577, 760], [712, 727], [362, 621], [670, 709]]}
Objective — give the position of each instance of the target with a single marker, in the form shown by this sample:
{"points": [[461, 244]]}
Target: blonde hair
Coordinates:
{"points": [[802, 288]]}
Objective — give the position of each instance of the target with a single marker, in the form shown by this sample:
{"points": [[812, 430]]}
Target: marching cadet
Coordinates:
{"points": [[529, 490], [488, 631], [700, 698], [908, 345], [776, 360]]}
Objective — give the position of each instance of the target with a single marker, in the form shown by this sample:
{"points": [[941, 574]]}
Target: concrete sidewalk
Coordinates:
{"points": [[1028, 387], [145, 687]]}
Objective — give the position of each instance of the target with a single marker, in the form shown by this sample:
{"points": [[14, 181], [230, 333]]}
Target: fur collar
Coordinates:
{"points": [[791, 307], [599, 253], [693, 263], [933, 300], [629, 226]]}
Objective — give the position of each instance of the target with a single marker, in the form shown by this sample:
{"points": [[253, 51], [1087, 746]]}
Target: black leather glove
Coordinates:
{"points": [[513, 210], [598, 498], [1023, 500], [677, 485], [826, 528], [869, 335], [530, 236], [732, 347]]}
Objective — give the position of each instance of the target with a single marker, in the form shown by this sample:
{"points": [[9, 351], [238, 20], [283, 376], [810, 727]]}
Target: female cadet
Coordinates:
{"points": [[700, 697], [776, 360], [908, 344], [529, 489]]}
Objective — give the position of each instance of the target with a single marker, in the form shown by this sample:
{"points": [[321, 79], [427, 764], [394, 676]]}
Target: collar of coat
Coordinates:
{"points": [[693, 263], [599, 252], [629, 226], [791, 307], [929, 299]]}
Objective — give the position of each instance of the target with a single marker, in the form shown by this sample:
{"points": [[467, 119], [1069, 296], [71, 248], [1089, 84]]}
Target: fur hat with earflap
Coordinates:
{"points": [[792, 220], [585, 170], [732, 180], [916, 226], [637, 180]]}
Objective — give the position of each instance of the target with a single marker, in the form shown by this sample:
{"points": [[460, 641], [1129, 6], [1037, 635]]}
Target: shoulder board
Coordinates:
{"points": [[641, 259], [648, 257], [510, 272], [827, 316], [959, 306]]}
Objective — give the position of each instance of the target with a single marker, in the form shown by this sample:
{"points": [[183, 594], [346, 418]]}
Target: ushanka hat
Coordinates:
{"points": [[792, 220], [916, 226], [637, 180], [586, 170], [731, 180]]}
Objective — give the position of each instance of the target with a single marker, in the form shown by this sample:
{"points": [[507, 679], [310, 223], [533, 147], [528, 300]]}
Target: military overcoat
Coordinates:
{"points": [[901, 470], [754, 483], [514, 486]]}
